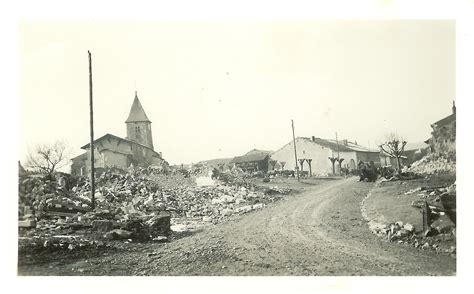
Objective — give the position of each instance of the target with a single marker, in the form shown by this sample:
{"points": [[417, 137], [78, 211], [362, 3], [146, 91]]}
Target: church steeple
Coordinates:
{"points": [[136, 112], [138, 124]]}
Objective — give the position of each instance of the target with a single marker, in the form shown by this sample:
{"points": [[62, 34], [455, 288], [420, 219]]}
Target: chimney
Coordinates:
{"points": [[344, 142], [454, 108], [313, 138]]}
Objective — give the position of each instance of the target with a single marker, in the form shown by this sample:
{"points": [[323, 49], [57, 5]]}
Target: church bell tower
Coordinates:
{"points": [[138, 125]]}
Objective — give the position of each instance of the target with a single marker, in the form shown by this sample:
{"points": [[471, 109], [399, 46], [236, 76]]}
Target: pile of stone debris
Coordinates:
{"points": [[434, 163], [406, 234], [438, 206], [136, 205], [40, 197]]}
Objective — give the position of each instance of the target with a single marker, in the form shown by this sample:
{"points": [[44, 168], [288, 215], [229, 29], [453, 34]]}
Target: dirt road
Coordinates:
{"points": [[318, 232]]}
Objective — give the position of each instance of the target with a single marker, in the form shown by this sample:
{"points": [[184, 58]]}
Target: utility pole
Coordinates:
{"points": [[294, 145], [91, 133]]}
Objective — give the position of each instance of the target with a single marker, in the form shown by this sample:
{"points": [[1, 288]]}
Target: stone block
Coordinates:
{"points": [[27, 223]]}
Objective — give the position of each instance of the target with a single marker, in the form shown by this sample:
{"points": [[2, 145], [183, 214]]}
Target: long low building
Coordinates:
{"points": [[317, 155]]}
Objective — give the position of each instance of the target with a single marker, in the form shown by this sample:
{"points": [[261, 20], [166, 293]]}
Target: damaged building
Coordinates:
{"points": [[253, 161], [113, 151], [443, 136]]}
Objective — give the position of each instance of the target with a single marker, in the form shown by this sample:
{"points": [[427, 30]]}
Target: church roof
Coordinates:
{"points": [[117, 138], [137, 114]]}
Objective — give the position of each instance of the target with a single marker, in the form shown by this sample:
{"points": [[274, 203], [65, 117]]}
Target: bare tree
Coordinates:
{"points": [[48, 158], [394, 147]]}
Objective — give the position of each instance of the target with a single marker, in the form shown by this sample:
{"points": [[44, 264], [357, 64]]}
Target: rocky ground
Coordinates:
{"points": [[318, 232]]}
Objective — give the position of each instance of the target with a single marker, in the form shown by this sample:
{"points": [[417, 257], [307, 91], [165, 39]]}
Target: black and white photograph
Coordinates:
{"points": [[238, 147]]}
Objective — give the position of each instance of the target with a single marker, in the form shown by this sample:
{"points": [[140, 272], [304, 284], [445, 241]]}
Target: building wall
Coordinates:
{"points": [[78, 165], [444, 138], [368, 157], [347, 159], [387, 161], [112, 152], [140, 132], [113, 159], [320, 164]]}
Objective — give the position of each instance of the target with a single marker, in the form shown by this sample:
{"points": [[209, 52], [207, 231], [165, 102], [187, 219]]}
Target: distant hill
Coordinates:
{"points": [[215, 162]]}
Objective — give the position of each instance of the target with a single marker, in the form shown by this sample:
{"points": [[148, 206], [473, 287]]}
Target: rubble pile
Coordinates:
{"points": [[440, 217], [405, 234], [235, 177], [40, 196], [441, 202], [398, 231], [137, 205], [404, 175], [434, 163], [141, 194]]}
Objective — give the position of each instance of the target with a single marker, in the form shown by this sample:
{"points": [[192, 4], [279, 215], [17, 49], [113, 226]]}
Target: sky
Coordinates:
{"points": [[219, 89]]}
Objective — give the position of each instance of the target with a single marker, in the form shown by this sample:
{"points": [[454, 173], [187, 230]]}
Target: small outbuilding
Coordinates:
{"points": [[253, 161]]}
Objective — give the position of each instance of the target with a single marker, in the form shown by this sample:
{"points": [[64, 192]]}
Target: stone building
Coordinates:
{"points": [[314, 155], [443, 136], [113, 151]]}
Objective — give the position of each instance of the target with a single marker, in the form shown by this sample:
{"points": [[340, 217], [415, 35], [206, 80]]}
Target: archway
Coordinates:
{"points": [[352, 164]]}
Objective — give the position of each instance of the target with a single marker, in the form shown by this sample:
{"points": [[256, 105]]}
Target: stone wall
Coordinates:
{"points": [[320, 164], [444, 138], [113, 152]]}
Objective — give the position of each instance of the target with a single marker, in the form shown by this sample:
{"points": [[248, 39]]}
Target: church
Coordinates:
{"points": [[113, 151]]}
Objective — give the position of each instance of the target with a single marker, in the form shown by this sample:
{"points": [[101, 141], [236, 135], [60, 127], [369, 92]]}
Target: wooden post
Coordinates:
{"points": [[91, 133], [310, 171], [294, 145], [333, 160], [426, 211]]}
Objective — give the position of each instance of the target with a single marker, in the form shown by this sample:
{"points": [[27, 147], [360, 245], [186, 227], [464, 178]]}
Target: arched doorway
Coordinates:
{"points": [[352, 164]]}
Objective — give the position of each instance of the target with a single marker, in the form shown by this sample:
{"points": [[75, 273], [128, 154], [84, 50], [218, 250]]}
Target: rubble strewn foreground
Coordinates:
{"points": [[139, 205], [427, 199]]}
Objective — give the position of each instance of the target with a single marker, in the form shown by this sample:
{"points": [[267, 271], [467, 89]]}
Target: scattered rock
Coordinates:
{"points": [[227, 212], [258, 206], [409, 227], [118, 234]]}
